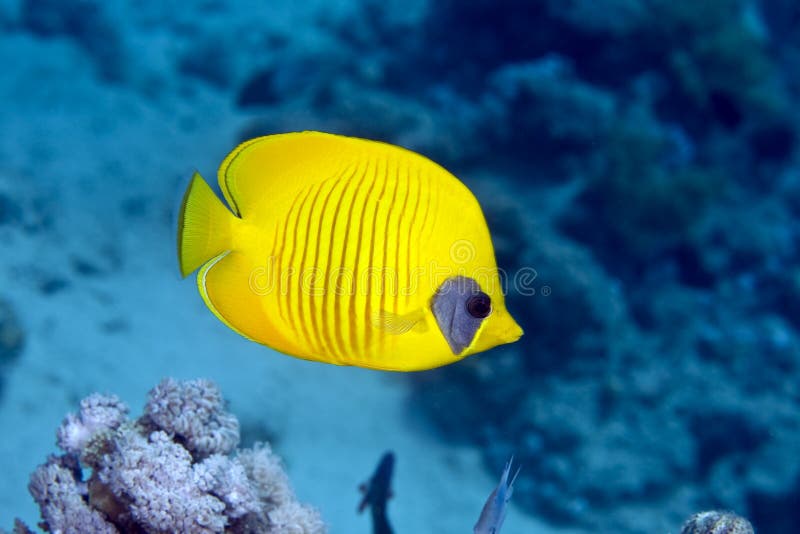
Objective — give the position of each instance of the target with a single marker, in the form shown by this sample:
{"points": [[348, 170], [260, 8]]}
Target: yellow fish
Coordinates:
{"points": [[345, 251]]}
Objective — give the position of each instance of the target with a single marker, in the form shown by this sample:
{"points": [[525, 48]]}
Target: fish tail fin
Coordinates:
{"points": [[204, 226]]}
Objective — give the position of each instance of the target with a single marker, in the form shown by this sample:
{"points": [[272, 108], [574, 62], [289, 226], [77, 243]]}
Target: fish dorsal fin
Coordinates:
{"points": [[396, 324], [276, 167]]}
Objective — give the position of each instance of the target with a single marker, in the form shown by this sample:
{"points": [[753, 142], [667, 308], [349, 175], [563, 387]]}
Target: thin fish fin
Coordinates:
{"points": [[511, 484], [225, 285], [364, 502], [506, 472], [204, 226], [396, 324], [494, 510], [505, 484]]}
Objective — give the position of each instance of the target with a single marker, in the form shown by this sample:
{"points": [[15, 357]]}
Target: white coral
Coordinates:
{"points": [[264, 469], [295, 518], [169, 471], [194, 411], [98, 413]]}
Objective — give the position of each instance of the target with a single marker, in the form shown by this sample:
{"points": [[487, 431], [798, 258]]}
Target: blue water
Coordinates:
{"points": [[637, 164]]}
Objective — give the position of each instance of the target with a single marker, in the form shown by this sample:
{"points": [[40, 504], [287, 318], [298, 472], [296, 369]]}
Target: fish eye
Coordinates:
{"points": [[479, 305]]}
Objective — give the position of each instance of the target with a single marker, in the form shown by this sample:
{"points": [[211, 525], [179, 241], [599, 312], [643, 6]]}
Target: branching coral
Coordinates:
{"points": [[168, 471]]}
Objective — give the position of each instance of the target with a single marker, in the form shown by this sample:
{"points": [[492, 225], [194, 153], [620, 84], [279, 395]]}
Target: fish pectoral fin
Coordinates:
{"points": [[396, 324]]}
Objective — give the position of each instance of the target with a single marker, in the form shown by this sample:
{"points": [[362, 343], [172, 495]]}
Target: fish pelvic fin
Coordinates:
{"points": [[204, 226]]}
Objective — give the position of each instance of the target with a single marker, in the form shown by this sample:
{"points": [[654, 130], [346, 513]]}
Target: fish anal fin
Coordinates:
{"points": [[224, 284]]}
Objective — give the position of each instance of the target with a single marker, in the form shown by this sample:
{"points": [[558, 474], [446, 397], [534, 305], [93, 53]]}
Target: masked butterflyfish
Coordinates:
{"points": [[345, 251]]}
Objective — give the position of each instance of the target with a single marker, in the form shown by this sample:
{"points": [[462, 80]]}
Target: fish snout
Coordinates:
{"points": [[512, 333]]}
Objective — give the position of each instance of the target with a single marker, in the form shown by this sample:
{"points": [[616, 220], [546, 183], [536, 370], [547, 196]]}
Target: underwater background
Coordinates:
{"points": [[637, 163]]}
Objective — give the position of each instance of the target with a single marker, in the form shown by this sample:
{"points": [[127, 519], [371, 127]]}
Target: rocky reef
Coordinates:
{"points": [[650, 164]]}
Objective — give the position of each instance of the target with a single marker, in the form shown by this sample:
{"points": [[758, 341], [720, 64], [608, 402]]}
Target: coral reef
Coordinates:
{"points": [[716, 522], [171, 470]]}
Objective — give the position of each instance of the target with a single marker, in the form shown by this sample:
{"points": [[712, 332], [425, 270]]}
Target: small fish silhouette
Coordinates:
{"points": [[377, 491], [494, 511]]}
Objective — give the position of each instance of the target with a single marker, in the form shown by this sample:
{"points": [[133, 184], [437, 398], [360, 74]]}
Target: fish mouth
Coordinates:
{"points": [[512, 334]]}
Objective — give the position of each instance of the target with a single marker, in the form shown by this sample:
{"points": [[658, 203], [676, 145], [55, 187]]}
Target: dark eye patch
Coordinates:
{"points": [[460, 307]]}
